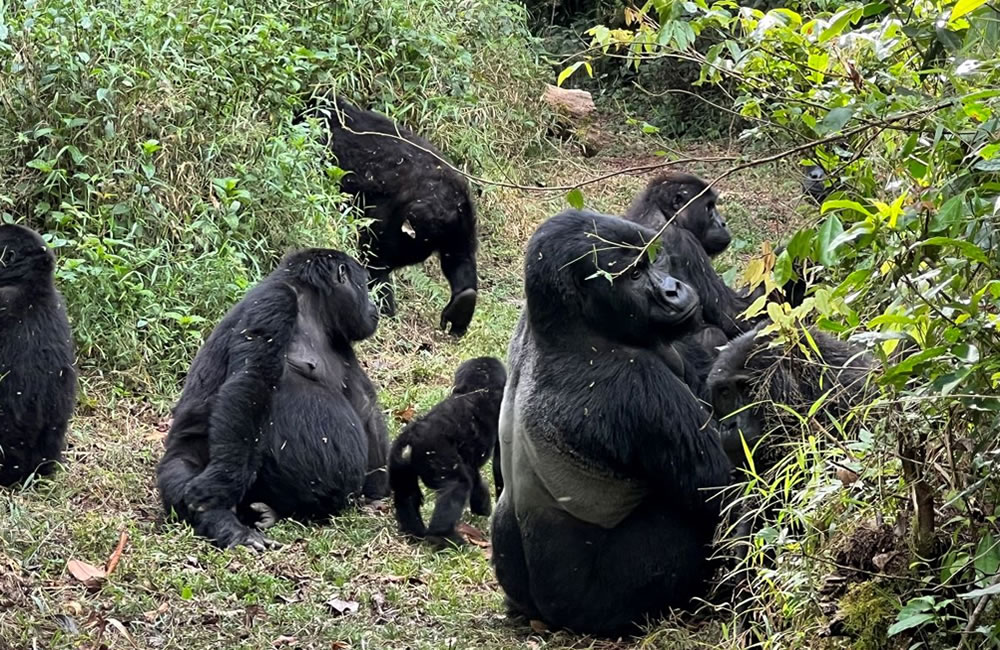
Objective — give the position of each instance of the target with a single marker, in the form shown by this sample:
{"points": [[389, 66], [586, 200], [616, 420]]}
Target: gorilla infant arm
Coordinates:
{"points": [[606, 515]]}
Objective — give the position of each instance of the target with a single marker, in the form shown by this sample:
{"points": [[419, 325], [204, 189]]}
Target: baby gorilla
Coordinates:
{"points": [[446, 449]]}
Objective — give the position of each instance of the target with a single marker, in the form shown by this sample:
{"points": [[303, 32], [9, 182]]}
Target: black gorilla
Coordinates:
{"points": [[606, 515], [814, 183], [751, 375], [37, 379], [668, 193], [276, 409], [418, 205], [446, 449], [721, 306]]}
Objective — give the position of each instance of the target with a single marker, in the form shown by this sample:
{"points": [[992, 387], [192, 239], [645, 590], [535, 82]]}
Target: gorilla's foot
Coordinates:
{"points": [[459, 312], [446, 541]]}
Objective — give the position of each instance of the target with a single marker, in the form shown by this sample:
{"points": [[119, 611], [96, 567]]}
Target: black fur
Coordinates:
{"points": [[418, 206], [668, 193], [37, 378], [749, 371], [445, 449], [606, 517], [276, 409]]}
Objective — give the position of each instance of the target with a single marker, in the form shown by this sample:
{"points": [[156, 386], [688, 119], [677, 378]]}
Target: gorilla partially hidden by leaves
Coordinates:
{"points": [[37, 379], [609, 459], [277, 417], [754, 376], [417, 203]]}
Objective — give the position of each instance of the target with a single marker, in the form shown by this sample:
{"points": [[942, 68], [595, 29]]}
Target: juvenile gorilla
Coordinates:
{"points": [[418, 206], [668, 193], [276, 409], [37, 379], [606, 515], [445, 449], [751, 373]]}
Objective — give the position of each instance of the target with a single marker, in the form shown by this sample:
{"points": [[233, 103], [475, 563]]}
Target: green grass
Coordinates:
{"points": [[172, 590]]}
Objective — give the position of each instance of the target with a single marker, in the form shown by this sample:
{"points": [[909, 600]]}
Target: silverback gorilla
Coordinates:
{"points": [[277, 417], [37, 379], [671, 191], [606, 516], [446, 449], [418, 206]]}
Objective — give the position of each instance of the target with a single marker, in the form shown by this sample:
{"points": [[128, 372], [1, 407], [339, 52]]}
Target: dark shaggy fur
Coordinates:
{"points": [[37, 379], [276, 409], [749, 371], [666, 194], [419, 206], [445, 449], [609, 460]]}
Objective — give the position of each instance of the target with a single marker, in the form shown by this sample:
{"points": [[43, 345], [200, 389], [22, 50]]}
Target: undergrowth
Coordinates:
{"points": [[154, 143]]}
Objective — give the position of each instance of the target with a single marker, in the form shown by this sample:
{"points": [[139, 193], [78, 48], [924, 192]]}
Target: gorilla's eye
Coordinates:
{"points": [[636, 273]]}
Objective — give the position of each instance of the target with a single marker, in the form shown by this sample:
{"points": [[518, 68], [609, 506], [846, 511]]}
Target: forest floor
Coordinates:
{"points": [[353, 583]]}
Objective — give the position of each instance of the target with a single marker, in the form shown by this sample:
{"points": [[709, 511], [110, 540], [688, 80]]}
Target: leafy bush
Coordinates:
{"points": [[900, 103], [154, 141]]}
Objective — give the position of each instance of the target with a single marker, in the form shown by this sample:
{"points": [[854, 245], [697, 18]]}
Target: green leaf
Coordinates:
{"points": [[909, 622], [948, 214], [839, 22], [575, 198], [831, 229], [844, 204], [971, 251], [654, 249], [835, 120], [979, 593], [570, 70], [963, 7], [988, 165]]}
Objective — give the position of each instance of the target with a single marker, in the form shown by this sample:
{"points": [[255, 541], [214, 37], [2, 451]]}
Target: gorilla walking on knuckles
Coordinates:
{"points": [[418, 206], [446, 448], [667, 194], [277, 417], [37, 379], [607, 514]]}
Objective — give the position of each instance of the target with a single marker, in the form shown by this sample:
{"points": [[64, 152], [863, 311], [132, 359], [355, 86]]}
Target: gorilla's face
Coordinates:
{"points": [[739, 422], [702, 217], [591, 269], [343, 283]]}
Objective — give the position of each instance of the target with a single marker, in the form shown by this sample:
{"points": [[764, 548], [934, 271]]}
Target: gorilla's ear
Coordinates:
{"points": [[342, 273], [679, 199]]}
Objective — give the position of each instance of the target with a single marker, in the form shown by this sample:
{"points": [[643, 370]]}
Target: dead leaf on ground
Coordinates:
{"points": [[116, 555], [538, 627], [88, 574], [340, 645], [340, 607], [152, 614], [472, 535], [283, 641], [405, 415]]}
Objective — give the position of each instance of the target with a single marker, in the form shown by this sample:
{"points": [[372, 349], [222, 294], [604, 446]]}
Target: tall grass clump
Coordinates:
{"points": [[154, 143]]}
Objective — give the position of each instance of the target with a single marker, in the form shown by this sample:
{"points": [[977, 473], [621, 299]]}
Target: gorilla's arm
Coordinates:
{"points": [[257, 345], [678, 447]]}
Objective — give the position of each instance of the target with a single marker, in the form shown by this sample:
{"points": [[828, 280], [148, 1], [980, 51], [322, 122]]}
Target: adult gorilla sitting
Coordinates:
{"points": [[606, 515]]}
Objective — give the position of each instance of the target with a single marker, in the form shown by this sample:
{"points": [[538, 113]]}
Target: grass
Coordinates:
{"points": [[172, 590]]}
